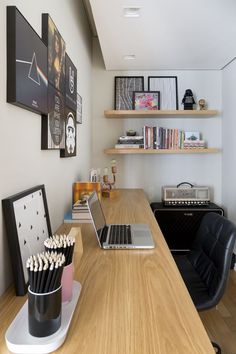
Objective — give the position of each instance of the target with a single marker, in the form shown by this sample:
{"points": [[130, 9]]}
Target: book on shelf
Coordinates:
{"points": [[128, 146], [194, 144]]}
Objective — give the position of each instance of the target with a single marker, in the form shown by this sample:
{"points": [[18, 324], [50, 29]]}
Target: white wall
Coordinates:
{"points": [[229, 141], [23, 164], [151, 172]]}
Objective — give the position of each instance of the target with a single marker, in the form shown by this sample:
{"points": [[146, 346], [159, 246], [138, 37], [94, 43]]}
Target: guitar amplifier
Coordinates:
{"points": [[179, 225]]}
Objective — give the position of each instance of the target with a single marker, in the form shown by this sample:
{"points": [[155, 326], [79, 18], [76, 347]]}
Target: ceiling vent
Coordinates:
{"points": [[131, 11], [129, 57]]}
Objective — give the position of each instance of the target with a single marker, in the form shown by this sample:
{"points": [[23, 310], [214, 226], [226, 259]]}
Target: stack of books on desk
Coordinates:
{"points": [[80, 212], [129, 142]]}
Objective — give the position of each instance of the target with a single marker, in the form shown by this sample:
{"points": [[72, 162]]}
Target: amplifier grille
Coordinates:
{"points": [[179, 225]]}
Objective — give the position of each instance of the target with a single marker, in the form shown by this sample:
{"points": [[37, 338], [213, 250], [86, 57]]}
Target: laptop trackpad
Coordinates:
{"points": [[141, 235]]}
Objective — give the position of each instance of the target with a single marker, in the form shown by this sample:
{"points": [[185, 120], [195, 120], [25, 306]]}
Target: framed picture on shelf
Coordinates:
{"points": [[168, 87], [53, 124], [28, 225], [146, 100], [124, 88], [192, 136], [79, 109], [71, 84], [70, 134], [56, 53], [26, 64]]}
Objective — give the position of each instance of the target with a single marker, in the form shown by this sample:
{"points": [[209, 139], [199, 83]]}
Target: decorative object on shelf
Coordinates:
{"points": [[26, 64], [188, 100], [71, 84], [168, 88], [56, 53], [131, 132], [95, 175], [146, 100], [70, 134], [124, 88], [202, 104], [192, 136], [53, 124], [79, 109], [108, 186], [27, 225]]}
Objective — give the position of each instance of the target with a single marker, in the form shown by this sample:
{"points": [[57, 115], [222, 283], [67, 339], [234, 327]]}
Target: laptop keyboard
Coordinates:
{"points": [[120, 234]]}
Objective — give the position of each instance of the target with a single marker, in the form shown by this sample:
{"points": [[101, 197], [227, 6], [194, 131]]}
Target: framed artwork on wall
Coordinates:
{"points": [[71, 84], [26, 64], [146, 100], [56, 53], [79, 109], [168, 87], [70, 134], [53, 124], [27, 225], [124, 88]]}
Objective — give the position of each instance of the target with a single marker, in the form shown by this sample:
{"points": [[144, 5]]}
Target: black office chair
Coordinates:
{"points": [[205, 269]]}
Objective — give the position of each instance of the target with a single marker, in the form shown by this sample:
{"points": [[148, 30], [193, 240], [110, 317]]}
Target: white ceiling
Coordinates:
{"points": [[169, 34]]}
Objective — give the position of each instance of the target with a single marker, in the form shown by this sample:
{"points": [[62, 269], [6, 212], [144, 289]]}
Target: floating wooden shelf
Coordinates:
{"points": [[160, 114], [123, 151]]}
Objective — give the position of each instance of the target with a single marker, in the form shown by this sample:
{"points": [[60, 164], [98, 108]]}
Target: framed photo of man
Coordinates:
{"points": [[56, 53], [70, 134]]}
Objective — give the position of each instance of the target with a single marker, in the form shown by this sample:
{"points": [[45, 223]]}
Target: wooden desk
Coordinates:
{"points": [[132, 301]]}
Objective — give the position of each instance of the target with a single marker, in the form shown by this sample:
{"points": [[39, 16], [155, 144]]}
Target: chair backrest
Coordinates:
{"points": [[211, 253]]}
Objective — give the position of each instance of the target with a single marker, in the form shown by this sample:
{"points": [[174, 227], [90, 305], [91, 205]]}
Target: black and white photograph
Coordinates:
{"points": [[79, 109], [168, 87], [26, 64], [70, 134], [125, 86], [56, 53], [53, 124], [71, 84], [27, 225]]}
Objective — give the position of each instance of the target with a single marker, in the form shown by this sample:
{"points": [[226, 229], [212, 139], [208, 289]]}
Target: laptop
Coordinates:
{"points": [[133, 236]]}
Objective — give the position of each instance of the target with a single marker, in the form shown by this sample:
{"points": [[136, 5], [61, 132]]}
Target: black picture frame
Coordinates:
{"points": [[53, 124], [27, 225], [79, 110], [124, 88], [71, 84], [146, 100], [26, 64], [168, 87], [56, 53], [70, 134]]}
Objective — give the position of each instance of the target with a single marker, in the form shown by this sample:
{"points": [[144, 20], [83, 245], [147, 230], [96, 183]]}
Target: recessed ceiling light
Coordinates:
{"points": [[129, 57], [131, 11]]}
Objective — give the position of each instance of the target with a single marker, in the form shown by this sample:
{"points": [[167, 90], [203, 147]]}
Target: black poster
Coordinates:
{"points": [[70, 134], [71, 84], [53, 125], [56, 53], [26, 64]]}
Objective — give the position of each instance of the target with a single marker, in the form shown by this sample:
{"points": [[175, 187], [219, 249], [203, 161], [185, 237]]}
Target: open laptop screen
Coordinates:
{"points": [[96, 214]]}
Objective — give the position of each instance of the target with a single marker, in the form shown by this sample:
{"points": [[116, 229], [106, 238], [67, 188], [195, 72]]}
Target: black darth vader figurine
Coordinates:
{"points": [[188, 100]]}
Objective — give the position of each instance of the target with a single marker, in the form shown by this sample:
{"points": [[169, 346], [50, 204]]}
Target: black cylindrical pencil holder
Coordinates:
{"points": [[44, 312]]}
